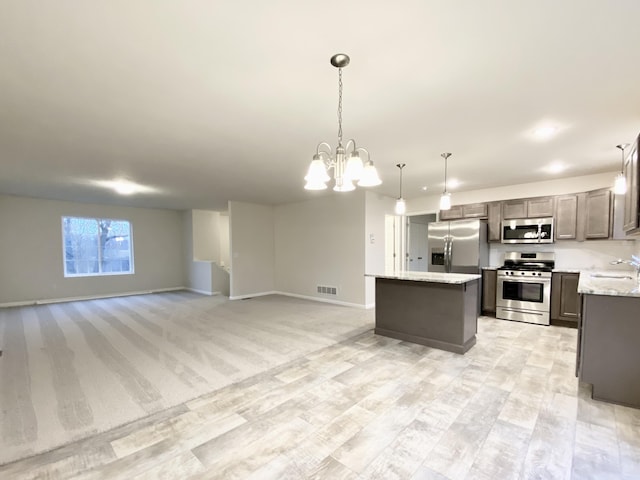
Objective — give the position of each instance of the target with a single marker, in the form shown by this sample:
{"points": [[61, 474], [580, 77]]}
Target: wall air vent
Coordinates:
{"points": [[327, 290]]}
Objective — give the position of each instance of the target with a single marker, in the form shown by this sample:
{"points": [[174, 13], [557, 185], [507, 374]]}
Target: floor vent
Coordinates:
{"points": [[327, 290]]}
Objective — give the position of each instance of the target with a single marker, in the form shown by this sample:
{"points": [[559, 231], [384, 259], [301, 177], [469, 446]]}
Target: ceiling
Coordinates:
{"points": [[209, 101]]}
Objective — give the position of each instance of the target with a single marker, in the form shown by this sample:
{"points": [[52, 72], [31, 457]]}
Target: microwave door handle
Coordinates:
{"points": [[539, 232]]}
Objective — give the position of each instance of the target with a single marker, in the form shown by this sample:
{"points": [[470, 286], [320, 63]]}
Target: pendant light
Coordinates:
{"points": [[620, 185], [445, 199], [401, 206], [346, 163]]}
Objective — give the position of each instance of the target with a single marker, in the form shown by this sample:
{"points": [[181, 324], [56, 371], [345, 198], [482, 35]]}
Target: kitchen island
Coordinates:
{"points": [[434, 309], [608, 356]]}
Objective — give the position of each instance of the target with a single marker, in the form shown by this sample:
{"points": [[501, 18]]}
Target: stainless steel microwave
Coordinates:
{"points": [[527, 230]]}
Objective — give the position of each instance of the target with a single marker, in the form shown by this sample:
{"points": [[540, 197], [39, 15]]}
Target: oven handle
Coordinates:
{"points": [[544, 281]]}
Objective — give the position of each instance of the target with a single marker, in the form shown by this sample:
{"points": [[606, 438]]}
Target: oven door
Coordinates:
{"points": [[524, 294]]}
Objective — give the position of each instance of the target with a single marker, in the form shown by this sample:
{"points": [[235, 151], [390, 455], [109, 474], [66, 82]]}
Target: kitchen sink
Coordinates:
{"points": [[618, 276]]}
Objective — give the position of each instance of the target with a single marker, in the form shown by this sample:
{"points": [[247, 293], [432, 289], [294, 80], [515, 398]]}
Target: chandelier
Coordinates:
{"points": [[620, 185], [346, 163]]}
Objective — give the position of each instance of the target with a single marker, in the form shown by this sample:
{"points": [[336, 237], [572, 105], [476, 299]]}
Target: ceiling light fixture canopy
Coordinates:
{"points": [[347, 165], [620, 185], [401, 206], [445, 198]]}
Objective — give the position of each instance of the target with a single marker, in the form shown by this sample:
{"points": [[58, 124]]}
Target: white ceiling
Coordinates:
{"points": [[210, 101]]}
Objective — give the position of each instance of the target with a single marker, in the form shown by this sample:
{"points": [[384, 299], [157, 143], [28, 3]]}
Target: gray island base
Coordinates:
{"points": [[438, 310]]}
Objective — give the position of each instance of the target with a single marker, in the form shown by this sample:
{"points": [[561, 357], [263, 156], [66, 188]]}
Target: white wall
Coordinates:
{"points": [[320, 242], [376, 208], [31, 258], [252, 249], [206, 235], [225, 253]]}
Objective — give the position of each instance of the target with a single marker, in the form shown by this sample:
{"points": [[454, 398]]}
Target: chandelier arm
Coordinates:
{"points": [[352, 142], [362, 149], [328, 151]]}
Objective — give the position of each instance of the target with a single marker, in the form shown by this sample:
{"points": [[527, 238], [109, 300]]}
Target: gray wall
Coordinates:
{"points": [[252, 249], [31, 257], [321, 242]]}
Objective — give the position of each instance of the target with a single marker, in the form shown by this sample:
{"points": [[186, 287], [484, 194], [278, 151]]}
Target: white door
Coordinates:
{"points": [[418, 248]]}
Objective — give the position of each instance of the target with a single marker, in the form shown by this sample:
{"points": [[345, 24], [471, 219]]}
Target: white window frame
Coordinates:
{"points": [[97, 274]]}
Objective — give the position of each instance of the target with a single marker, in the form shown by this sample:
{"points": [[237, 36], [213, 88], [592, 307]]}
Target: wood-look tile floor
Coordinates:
{"points": [[373, 407]]}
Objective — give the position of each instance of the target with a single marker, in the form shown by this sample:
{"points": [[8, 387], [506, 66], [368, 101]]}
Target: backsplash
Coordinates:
{"points": [[592, 254]]}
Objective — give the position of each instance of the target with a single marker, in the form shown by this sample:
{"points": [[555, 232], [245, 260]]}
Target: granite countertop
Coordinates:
{"points": [[433, 277], [614, 283], [490, 268], [567, 270]]}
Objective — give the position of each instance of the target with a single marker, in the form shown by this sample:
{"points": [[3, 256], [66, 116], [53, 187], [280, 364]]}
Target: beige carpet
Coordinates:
{"points": [[70, 370]]}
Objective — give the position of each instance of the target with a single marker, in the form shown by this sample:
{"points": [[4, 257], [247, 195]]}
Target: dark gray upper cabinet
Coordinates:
{"points": [[471, 210], [632, 197], [494, 215], [528, 208], [514, 208], [598, 214], [566, 225], [453, 213], [474, 210], [540, 207]]}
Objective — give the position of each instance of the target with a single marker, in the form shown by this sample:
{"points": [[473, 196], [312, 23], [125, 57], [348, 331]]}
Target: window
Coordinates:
{"points": [[96, 246]]}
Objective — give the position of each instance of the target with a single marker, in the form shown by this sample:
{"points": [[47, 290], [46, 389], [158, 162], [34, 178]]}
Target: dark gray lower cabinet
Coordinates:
{"points": [[565, 300], [438, 315], [489, 280], [608, 353]]}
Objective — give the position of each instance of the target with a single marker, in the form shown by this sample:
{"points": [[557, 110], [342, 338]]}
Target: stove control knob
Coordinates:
{"points": [[522, 273]]}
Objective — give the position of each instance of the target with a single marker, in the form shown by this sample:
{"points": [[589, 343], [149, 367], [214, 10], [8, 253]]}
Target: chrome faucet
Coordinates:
{"points": [[634, 262]]}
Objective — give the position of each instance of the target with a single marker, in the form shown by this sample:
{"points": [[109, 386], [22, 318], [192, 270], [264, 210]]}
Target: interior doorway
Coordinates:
{"points": [[418, 242]]}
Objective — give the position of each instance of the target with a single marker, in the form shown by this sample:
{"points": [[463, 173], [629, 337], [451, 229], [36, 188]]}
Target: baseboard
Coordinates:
{"points": [[251, 295], [87, 297], [203, 292], [369, 306], [321, 299]]}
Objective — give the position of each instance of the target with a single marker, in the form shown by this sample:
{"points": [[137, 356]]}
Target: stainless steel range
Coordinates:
{"points": [[524, 287]]}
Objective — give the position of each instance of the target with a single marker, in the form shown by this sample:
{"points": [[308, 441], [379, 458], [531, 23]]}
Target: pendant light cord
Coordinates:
{"points": [[340, 106], [400, 166]]}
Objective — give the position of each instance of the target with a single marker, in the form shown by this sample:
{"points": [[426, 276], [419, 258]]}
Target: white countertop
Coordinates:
{"points": [[615, 283], [433, 277]]}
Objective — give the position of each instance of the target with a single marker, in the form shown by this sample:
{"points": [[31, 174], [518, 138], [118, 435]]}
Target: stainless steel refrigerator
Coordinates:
{"points": [[458, 246]]}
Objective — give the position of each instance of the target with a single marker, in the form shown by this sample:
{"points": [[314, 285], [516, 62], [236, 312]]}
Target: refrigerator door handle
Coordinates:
{"points": [[447, 254], [450, 254]]}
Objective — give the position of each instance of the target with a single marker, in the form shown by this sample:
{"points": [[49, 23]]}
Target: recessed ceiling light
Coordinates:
{"points": [[424, 188], [123, 187], [545, 132], [555, 167]]}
